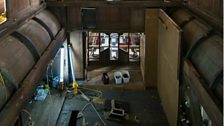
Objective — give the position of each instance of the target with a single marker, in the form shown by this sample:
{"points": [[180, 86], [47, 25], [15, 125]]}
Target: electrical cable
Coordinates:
{"points": [[85, 106], [90, 103], [98, 114]]}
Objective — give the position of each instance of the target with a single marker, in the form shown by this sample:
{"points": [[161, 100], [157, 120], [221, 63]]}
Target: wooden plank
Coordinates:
{"points": [[150, 49], [168, 66], [205, 98], [143, 3], [142, 55]]}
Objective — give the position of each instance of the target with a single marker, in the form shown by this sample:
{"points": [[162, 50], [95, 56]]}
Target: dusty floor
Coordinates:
{"points": [[45, 113], [95, 72], [145, 105]]}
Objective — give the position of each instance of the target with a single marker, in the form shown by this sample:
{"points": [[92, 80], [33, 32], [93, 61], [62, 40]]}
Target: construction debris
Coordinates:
{"points": [[136, 119], [116, 110], [98, 101]]}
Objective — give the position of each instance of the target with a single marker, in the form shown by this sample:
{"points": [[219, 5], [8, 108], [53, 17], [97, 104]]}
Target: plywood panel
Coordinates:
{"points": [[142, 55], [112, 19], [151, 43], [77, 49], [168, 66]]}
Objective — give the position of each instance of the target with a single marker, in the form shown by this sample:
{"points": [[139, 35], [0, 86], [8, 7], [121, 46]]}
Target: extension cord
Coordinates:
{"points": [[80, 114], [85, 97]]}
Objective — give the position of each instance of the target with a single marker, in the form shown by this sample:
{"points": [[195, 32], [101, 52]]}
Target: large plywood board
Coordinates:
{"points": [[168, 65], [150, 48]]}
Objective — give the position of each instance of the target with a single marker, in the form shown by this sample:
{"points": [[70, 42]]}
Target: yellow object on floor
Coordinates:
{"points": [[75, 87], [3, 17], [47, 87]]}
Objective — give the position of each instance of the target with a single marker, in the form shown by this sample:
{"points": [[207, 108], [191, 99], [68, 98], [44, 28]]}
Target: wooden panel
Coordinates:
{"points": [[210, 10], [168, 66], [122, 3], [212, 7], [74, 18], [110, 19], [10, 26], [142, 55], [137, 20], [14, 7], [60, 14], [77, 49], [116, 18], [151, 40]]}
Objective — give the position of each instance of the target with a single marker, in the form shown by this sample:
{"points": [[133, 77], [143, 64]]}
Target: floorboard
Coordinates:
{"points": [[95, 73], [145, 105], [46, 113]]}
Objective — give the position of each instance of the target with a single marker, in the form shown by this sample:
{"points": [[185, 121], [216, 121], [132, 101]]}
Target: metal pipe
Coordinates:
{"points": [[71, 63], [62, 65], [13, 108]]}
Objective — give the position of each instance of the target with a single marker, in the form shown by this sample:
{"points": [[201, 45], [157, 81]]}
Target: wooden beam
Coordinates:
{"points": [[12, 24], [82, 3], [12, 109], [151, 48], [204, 94], [218, 24]]}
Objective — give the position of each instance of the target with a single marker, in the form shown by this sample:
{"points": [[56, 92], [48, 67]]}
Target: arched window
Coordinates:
{"points": [[2, 11]]}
